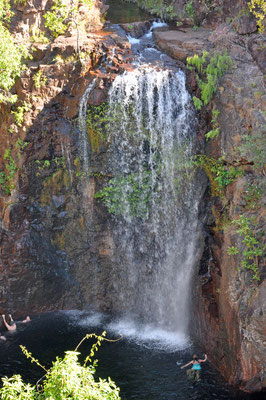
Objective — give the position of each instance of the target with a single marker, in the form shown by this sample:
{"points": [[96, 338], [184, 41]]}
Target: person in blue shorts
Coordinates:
{"points": [[195, 372]]}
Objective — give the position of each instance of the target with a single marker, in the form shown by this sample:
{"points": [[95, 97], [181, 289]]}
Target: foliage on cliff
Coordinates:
{"points": [[12, 58], [67, 379], [258, 8]]}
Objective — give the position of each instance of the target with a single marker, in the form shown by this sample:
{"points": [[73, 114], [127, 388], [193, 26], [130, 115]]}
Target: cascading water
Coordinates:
{"points": [[153, 197]]}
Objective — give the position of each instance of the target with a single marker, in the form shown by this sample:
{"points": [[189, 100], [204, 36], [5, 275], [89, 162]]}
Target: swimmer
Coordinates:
{"points": [[12, 326], [2, 337], [195, 372], [27, 319]]}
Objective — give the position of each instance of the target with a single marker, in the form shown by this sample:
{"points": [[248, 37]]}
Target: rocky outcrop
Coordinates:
{"points": [[231, 306], [45, 227]]}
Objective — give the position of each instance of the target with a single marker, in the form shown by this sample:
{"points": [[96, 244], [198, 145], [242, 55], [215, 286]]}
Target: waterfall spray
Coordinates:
{"points": [[153, 196]]}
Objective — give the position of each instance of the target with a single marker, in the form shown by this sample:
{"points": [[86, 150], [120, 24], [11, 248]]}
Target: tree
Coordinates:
{"points": [[67, 379]]}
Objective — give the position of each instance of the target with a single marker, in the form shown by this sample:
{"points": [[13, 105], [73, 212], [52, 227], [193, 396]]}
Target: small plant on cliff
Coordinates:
{"points": [[253, 249], [19, 113], [98, 119], [38, 36], [215, 126], [219, 173], [39, 79], [67, 379], [128, 195], [210, 70], [7, 175], [253, 149], [258, 8]]}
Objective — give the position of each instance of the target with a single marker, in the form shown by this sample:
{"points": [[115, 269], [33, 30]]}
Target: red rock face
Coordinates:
{"points": [[43, 228]]}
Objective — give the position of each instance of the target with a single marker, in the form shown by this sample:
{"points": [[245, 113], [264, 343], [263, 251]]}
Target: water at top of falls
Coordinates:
{"points": [[152, 199]]}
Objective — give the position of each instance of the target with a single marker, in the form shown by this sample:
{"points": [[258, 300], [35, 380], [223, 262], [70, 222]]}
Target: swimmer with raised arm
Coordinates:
{"points": [[12, 326], [195, 372]]}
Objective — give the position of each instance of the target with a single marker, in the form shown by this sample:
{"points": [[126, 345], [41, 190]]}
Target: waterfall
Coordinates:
{"points": [[83, 126], [153, 197]]}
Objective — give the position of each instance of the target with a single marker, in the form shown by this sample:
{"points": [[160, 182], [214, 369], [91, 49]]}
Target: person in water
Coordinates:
{"points": [[27, 319], [12, 326], [2, 337], [195, 372]]}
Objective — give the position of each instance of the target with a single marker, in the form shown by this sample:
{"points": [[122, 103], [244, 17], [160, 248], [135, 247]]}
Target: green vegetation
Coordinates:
{"points": [[67, 379], [39, 79], [128, 195], [189, 9], [253, 249], [253, 194], [24, 2], [60, 17], [56, 19], [254, 149], [215, 126], [5, 12], [19, 113], [219, 174], [210, 70], [11, 63], [7, 175], [258, 8], [159, 7], [98, 119], [38, 36]]}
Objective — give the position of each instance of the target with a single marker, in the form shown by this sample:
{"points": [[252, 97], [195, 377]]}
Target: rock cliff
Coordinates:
{"points": [[230, 312]]}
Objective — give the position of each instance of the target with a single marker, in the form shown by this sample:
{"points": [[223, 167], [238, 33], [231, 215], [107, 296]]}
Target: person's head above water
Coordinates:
{"points": [[195, 357]]}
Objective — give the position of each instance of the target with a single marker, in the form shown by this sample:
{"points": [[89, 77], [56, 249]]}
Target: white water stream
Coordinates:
{"points": [[153, 198]]}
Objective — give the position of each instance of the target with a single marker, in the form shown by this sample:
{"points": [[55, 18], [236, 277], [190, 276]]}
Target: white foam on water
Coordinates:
{"points": [[150, 336], [158, 24], [132, 40]]}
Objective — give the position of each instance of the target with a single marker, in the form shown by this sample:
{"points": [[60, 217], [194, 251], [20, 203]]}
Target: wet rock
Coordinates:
{"points": [[137, 29], [59, 201]]}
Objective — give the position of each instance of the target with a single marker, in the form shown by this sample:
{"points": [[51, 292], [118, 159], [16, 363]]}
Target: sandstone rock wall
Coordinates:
{"points": [[230, 315]]}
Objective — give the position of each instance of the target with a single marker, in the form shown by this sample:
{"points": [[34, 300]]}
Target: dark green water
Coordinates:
{"points": [[142, 371], [121, 12]]}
